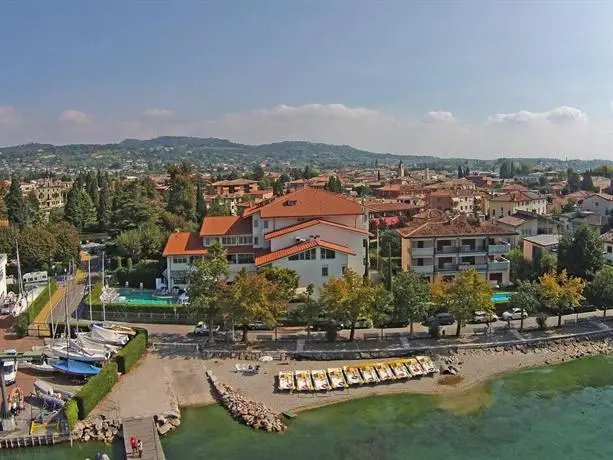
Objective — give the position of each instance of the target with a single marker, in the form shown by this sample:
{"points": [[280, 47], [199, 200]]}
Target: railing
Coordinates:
{"points": [[500, 265], [468, 249], [422, 268], [422, 252], [144, 317], [502, 248], [447, 250], [475, 266]]}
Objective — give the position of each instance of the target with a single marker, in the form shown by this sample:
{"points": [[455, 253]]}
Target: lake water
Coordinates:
{"points": [[553, 413]]}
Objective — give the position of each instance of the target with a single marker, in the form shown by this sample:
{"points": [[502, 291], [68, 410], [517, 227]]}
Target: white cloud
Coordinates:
{"points": [[74, 116], [558, 115], [158, 112], [438, 116], [559, 132]]}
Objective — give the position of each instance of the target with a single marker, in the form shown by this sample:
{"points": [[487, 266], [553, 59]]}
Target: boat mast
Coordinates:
{"points": [[19, 269], [103, 286], [89, 276], [49, 294]]}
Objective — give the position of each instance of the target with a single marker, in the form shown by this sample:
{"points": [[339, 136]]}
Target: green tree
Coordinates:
{"points": [[36, 248], [387, 239], [543, 262], [152, 240], [527, 297], [104, 201], [560, 291], [586, 182], [580, 253], [573, 181], [277, 188], [182, 193], [219, 208], [520, 267], [67, 242], [15, 204], [128, 244], [92, 188], [411, 298], [469, 292], [250, 296], [285, 279], [599, 291], [334, 185], [200, 202], [507, 169], [79, 209], [35, 216], [207, 285]]}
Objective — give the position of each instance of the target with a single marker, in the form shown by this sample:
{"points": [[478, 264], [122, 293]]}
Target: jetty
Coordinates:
{"points": [[145, 429]]}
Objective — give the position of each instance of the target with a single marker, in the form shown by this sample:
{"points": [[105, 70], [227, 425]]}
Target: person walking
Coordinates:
{"points": [[140, 448], [134, 445]]}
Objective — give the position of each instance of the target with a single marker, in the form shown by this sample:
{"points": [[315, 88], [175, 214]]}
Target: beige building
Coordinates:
{"points": [[446, 246], [600, 203], [535, 245], [508, 204], [455, 201]]}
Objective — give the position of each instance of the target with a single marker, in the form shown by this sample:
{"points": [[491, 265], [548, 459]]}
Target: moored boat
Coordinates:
{"points": [[399, 370], [427, 365], [414, 368], [384, 372], [75, 368], [101, 334], [72, 351], [320, 380], [337, 380], [369, 374], [286, 380], [353, 375], [303, 381]]}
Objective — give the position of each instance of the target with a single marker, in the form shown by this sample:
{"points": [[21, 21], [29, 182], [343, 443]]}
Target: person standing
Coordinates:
{"points": [[140, 448], [134, 445]]}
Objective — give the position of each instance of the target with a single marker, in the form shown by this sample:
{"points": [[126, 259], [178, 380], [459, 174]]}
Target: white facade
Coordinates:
{"points": [[508, 208], [598, 203], [3, 262]]}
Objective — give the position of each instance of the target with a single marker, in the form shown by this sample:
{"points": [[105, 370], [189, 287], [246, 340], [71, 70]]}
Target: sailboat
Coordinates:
{"points": [[76, 368], [101, 334], [84, 341]]}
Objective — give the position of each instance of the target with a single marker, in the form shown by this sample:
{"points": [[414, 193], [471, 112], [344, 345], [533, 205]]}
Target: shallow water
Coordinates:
{"points": [[559, 412]]}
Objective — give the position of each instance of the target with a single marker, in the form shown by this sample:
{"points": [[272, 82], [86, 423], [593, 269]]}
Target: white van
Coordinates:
{"points": [[10, 368]]}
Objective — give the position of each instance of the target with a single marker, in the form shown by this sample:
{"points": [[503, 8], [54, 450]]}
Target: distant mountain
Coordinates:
{"points": [[132, 156]]}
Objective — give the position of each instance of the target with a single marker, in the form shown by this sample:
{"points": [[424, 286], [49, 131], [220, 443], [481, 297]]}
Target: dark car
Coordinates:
{"points": [[396, 323], [256, 326], [322, 325], [443, 319]]}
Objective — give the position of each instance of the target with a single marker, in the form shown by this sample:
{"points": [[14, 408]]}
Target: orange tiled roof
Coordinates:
{"points": [[307, 202], [298, 248], [311, 223], [184, 243], [457, 226], [225, 225]]}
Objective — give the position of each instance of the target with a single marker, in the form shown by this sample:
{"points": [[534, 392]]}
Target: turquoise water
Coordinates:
{"points": [[553, 413], [140, 297], [498, 297]]}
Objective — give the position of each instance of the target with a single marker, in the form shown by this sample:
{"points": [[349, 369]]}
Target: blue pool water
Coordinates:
{"points": [[140, 297], [499, 297]]}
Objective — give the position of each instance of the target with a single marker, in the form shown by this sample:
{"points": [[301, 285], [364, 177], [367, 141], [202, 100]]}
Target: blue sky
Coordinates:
{"points": [[452, 78]]}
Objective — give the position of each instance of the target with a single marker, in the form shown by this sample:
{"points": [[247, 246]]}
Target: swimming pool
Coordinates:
{"points": [[500, 297], [140, 297]]}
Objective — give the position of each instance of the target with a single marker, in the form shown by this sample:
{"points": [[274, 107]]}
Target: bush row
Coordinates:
{"points": [[131, 353], [27, 317]]}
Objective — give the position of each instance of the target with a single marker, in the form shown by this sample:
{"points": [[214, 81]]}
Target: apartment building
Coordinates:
{"points": [[318, 234], [600, 203], [49, 193], [447, 245], [508, 204], [232, 187], [527, 224], [455, 201]]}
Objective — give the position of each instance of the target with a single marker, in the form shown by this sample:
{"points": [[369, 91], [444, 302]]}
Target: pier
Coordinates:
{"points": [[143, 428]]}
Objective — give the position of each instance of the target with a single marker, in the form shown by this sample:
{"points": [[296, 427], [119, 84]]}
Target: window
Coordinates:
{"points": [[246, 259], [231, 258], [179, 260], [265, 224], [327, 254], [344, 269], [596, 203], [228, 241], [420, 244], [324, 271], [256, 223], [245, 239], [609, 249], [207, 241], [256, 240], [311, 254]]}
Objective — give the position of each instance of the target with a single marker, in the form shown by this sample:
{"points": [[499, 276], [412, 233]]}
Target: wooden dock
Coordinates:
{"points": [[143, 428]]}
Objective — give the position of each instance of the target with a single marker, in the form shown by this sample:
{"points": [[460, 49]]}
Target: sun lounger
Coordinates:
{"points": [[320, 380], [303, 381], [337, 380], [286, 381], [353, 375], [427, 364], [368, 374], [384, 372], [414, 368], [399, 370]]}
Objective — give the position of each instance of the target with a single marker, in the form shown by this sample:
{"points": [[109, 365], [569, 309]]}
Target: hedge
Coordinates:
{"points": [[95, 389], [71, 410], [28, 316], [131, 353]]}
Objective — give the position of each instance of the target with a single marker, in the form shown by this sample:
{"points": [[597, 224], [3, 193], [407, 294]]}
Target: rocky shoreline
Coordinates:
{"points": [[253, 414]]}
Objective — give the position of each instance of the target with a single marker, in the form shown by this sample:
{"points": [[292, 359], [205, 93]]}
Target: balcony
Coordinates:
{"points": [[423, 269], [422, 252], [447, 268], [472, 249], [447, 250], [500, 248], [475, 266], [499, 265]]}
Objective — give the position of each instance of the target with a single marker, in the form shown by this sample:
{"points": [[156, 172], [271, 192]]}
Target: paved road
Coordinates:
{"points": [[179, 331], [75, 292]]}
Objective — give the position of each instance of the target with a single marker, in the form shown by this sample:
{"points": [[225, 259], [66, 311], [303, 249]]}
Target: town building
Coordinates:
{"points": [[534, 246], [232, 187], [607, 246], [508, 204], [527, 224], [318, 234], [444, 245], [49, 193], [600, 203], [455, 201], [571, 221]]}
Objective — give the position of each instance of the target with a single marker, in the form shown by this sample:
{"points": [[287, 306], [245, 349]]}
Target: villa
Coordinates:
{"points": [[318, 234]]}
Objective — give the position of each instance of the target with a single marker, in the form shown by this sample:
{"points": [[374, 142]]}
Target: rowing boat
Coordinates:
{"points": [[369, 374], [414, 368]]}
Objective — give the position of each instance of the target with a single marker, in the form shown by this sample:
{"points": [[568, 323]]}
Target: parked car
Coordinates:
{"points": [[322, 325], [363, 324], [203, 329], [443, 319], [481, 317], [256, 326], [515, 313], [396, 323]]}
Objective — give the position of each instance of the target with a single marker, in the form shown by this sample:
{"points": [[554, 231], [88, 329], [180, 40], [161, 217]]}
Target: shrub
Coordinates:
{"points": [[97, 388], [131, 353], [71, 411], [27, 317], [434, 329], [142, 272], [541, 320]]}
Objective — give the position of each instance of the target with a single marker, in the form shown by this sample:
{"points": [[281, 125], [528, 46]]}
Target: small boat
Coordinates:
{"points": [[286, 380], [42, 366], [84, 341], [44, 389], [399, 370], [320, 380], [303, 381], [369, 374], [384, 372], [124, 330], [427, 365], [337, 380], [16, 398], [414, 368], [101, 334], [76, 368], [74, 352], [353, 375]]}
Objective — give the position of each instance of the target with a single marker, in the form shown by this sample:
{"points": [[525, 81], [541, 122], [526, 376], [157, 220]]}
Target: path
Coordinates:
{"points": [[143, 428]]}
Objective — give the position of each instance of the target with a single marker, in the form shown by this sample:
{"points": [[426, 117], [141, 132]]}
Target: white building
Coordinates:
{"points": [[509, 203], [600, 203], [3, 261], [607, 246], [318, 234]]}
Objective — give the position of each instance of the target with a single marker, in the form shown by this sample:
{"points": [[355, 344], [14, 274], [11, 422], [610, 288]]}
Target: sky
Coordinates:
{"points": [[478, 79]]}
